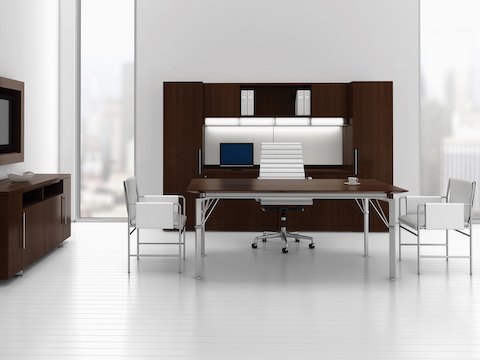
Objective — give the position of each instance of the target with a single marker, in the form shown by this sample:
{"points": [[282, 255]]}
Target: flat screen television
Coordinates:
{"points": [[11, 121], [236, 154], [6, 123]]}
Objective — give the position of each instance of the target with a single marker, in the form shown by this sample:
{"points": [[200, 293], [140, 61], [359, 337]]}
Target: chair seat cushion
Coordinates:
{"points": [[179, 221], [411, 220]]}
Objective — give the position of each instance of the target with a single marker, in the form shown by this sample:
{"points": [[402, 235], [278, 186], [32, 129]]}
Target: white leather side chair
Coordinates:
{"points": [[450, 212], [279, 160], [154, 212]]}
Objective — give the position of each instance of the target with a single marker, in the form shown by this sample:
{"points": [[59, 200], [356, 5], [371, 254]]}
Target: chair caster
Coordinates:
{"points": [[297, 240], [311, 246], [264, 240], [284, 250], [254, 246]]}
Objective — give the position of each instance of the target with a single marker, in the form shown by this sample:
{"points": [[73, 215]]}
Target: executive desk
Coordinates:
{"points": [[369, 191]]}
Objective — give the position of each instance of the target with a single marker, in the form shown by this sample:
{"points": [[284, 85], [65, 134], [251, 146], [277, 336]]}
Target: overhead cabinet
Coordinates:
{"points": [[35, 219], [358, 115]]}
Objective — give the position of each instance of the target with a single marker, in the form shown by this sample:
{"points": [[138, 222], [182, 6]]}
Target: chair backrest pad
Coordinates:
{"points": [[131, 197], [461, 191]]}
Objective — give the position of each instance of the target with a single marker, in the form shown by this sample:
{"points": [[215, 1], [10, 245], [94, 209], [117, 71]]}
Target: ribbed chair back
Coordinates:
{"points": [[281, 160]]}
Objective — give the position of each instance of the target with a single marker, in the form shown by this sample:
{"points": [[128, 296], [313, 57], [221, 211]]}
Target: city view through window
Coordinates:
{"points": [[107, 106], [450, 94]]}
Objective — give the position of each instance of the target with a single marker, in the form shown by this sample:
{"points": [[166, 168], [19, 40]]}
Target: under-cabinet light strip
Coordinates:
{"points": [[292, 121], [257, 121], [222, 121], [331, 121], [283, 121]]}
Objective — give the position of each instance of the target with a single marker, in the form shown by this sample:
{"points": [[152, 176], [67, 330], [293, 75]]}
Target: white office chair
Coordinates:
{"points": [[282, 161], [450, 212], [154, 212]]}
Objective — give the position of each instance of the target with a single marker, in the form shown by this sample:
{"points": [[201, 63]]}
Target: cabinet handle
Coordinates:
{"points": [[64, 209], [24, 220], [355, 161], [199, 161]]}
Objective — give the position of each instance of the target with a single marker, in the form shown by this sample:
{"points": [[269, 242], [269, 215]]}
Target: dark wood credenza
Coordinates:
{"points": [[366, 107], [35, 218]]}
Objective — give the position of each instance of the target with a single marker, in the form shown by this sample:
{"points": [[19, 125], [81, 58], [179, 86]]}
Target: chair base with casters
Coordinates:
{"points": [[447, 213], [283, 234], [282, 161]]}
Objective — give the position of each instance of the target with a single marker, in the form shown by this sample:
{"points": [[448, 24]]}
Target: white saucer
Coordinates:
{"points": [[351, 184]]}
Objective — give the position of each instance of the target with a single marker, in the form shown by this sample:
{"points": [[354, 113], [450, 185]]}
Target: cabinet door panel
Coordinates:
{"points": [[34, 232], [327, 215], [221, 100], [183, 121], [67, 209], [11, 246], [241, 215], [53, 222], [372, 118], [330, 100]]}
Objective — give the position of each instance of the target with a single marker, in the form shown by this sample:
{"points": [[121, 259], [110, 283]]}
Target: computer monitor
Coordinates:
{"points": [[236, 154]]}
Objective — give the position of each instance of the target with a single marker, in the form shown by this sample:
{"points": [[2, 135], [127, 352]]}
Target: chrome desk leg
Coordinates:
{"points": [[198, 237], [366, 228], [392, 220]]}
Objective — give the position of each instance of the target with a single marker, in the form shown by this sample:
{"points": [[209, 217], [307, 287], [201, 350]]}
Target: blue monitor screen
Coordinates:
{"points": [[236, 154]]}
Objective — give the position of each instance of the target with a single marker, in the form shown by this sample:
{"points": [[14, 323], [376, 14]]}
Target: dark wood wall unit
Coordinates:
{"points": [[182, 139], [221, 100], [366, 106], [330, 100], [35, 219], [371, 105]]}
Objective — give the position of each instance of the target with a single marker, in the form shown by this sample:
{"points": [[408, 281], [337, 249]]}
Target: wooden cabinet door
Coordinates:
{"points": [[11, 245], [66, 209], [53, 222], [221, 100], [182, 131], [330, 100], [34, 232], [371, 105]]}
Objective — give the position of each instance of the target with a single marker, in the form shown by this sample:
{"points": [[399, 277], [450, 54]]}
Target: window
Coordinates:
{"points": [[450, 94], [106, 105]]}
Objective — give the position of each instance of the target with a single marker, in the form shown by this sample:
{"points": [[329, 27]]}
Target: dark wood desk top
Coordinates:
{"points": [[294, 185]]}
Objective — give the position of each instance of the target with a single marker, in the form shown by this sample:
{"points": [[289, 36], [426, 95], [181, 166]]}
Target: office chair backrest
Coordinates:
{"points": [[131, 197], [281, 161], [461, 191]]}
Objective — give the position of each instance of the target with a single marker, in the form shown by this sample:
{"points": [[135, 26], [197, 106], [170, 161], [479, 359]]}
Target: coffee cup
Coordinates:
{"points": [[353, 180]]}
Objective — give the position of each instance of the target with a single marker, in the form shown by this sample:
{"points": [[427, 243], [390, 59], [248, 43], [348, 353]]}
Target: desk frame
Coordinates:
{"points": [[205, 204]]}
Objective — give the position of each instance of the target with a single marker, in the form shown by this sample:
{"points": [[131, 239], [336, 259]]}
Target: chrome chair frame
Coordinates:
{"points": [[421, 209], [181, 209]]}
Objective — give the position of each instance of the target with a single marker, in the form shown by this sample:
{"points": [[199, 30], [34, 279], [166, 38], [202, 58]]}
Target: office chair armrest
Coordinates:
{"points": [[159, 198], [411, 202], [443, 216], [155, 215], [179, 200]]}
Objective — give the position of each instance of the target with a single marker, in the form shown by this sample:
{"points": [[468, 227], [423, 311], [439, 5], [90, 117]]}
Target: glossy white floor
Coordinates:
{"points": [[327, 303]]}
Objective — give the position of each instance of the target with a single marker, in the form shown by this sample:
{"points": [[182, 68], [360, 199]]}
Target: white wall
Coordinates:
{"points": [[276, 41], [29, 53]]}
